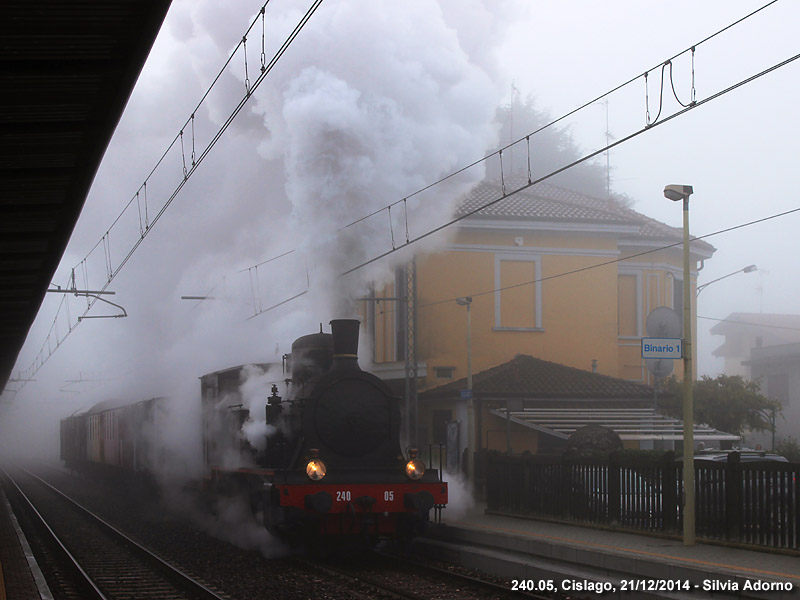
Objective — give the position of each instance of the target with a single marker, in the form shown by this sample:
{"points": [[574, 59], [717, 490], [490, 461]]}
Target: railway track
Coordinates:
{"points": [[389, 576], [239, 573], [91, 559]]}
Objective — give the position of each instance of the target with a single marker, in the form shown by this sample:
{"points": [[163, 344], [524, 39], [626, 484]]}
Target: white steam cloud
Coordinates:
{"points": [[377, 101], [371, 102], [256, 385]]}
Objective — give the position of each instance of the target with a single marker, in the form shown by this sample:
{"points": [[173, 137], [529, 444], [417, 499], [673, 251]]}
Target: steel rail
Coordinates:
{"points": [[83, 580], [490, 586], [401, 591], [369, 584], [170, 572]]}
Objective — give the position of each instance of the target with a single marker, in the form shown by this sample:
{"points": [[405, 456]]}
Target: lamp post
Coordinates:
{"points": [[676, 193], [747, 269], [467, 301]]}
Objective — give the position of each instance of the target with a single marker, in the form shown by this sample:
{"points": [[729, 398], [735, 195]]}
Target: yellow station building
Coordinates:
{"points": [[551, 273]]}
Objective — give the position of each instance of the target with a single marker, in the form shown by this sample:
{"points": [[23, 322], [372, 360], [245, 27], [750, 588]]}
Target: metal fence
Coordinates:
{"points": [[749, 502]]}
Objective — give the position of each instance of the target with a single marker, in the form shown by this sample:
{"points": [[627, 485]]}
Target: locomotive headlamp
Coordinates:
{"points": [[315, 468], [415, 468]]}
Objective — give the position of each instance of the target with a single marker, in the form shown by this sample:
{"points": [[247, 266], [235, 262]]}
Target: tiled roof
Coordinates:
{"points": [[546, 202], [541, 202], [529, 377]]}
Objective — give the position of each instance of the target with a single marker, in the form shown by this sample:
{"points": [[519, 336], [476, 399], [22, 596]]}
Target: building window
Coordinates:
{"points": [[627, 306], [387, 319], [518, 294], [443, 372]]}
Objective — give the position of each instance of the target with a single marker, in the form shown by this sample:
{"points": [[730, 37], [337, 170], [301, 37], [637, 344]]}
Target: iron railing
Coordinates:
{"points": [[748, 502]]}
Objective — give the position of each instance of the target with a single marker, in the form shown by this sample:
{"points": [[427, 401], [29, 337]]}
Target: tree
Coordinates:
{"points": [[789, 448], [552, 147], [727, 402], [591, 440]]}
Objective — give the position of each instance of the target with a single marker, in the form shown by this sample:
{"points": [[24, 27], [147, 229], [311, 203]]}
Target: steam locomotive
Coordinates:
{"points": [[330, 464]]}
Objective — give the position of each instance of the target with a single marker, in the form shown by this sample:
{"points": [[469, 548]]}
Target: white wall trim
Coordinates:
{"points": [[676, 270], [694, 249], [533, 250], [523, 224]]}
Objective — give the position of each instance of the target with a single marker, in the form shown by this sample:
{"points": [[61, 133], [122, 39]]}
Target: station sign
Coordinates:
{"points": [[662, 348]]}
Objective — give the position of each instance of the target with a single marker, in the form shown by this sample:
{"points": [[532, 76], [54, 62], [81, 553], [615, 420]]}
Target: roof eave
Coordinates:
{"points": [[529, 224], [700, 249]]}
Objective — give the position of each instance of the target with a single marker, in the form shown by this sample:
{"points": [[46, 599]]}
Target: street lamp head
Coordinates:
{"points": [[466, 301], [750, 269], [678, 192]]}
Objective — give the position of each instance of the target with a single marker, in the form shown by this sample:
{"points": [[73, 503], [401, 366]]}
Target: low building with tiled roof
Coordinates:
{"points": [[550, 273], [530, 404], [536, 379]]}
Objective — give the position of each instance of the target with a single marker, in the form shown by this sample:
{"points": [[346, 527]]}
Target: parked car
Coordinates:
{"points": [[767, 497], [637, 498], [744, 456]]}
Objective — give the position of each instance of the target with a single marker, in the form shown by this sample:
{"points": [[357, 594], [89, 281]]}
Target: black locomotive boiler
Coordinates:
{"points": [[332, 463]]}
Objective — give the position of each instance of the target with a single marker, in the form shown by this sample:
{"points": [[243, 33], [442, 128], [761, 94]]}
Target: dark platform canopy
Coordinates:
{"points": [[67, 68]]}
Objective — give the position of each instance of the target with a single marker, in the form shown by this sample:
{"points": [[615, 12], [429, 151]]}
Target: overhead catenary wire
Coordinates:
{"points": [[608, 262], [663, 65], [265, 70], [589, 156], [187, 173], [505, 194], [691, 49], [227, 123], [577, 109]]}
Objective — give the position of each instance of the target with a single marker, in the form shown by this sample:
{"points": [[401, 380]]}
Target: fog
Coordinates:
{"points": [[354, 116], [372, 102], [737, 151]]}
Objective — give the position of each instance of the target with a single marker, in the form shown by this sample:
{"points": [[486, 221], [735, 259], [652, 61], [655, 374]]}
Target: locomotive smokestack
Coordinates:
{"points": [[345, 343]]}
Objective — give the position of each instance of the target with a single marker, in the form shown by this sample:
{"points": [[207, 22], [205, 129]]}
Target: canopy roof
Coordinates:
{"points": [[628, 423]]}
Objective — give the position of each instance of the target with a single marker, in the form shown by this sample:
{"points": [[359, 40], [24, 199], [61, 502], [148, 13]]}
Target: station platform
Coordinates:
{"points": [[635, 566], [20, 576]]}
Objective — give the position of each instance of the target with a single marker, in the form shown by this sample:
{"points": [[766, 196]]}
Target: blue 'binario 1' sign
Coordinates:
{"points": [[661, 348]]}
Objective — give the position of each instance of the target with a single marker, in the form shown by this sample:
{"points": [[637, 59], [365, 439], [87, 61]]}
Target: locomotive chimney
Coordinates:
{"points": [[345, 344]]}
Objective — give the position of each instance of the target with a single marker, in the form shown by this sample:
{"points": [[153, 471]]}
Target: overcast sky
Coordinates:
{"points": [[413, 86], [738, 151]]}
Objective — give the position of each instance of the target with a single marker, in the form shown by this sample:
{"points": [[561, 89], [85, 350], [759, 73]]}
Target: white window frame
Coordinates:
{"points": [[537, 290], [639, 302]]}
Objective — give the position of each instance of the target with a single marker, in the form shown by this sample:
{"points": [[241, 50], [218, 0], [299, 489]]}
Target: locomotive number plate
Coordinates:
{"points": [[347, 496], [381, 497]]}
